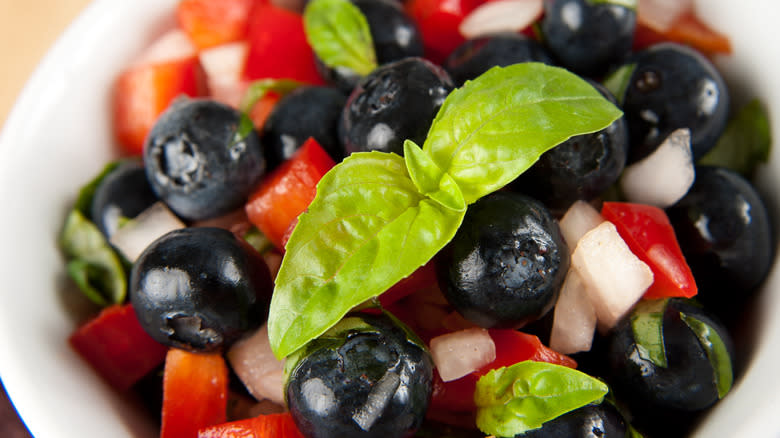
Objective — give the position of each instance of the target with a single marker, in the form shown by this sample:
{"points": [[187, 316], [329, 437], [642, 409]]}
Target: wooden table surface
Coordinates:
{"points": [[27, 29]]}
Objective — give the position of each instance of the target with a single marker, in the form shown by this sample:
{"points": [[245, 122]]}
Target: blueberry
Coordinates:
{"points": [[200, 289], [671, 87], [582, 167], [203, 158], [725, 233], [362, 378], [586, 36], [394, 34], [506, 264], [589, 421], [478, 55], [305, 112], [397, 101], [122, 194]]}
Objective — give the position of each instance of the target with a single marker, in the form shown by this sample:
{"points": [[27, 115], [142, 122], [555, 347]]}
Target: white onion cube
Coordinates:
{"points": [[171, 46], [255, 364], [132, 238], [580, 218], [500, 16], [460, 353], [574, 319]]}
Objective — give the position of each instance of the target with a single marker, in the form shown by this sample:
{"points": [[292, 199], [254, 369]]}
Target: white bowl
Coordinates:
{"points": [[57, 137]]}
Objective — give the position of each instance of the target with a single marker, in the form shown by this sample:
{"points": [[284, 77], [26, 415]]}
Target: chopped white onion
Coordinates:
{"points": [[224, 67], [460, 353], [171, 46], [580, 218], [613, 276], [660, 15], [500, 16], [663, 177], [574, 319], [255, 364], [133, 238]]}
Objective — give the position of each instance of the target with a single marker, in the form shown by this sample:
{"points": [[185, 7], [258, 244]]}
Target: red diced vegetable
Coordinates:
{"points": [[439, 21], [117, 347], [262, 109], [210, 23], [686, 29], [288, 191], [264, 426], [278, 48], [143, 92], [424, 277], [649, 234], [195, 389]]}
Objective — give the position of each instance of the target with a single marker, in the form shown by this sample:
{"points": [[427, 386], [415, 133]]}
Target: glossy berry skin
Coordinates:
{"points": [[363, 378], [123, 193], [305, 112], [506, 263], [725, 233], [671, 87], [589, 421], [587, 37], [202, 158], [583, 167], [394, 34], [478, 55], [200, 289], [686, 384], [397, 101]]}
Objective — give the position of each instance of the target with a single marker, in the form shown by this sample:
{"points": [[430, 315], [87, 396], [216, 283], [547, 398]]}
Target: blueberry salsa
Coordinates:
{"points": [[349, 219]]}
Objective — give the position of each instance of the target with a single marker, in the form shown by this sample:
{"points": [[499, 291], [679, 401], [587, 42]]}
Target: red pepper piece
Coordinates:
{"points": [[210, 23], [263, 426]]}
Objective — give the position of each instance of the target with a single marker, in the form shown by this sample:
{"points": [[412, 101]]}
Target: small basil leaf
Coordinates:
{"points": [[633, 433], [519, 398], [745, 143], [367, 228], [84, 201], [717, 353], [430, 180], [628, 4], [258, 240], [258, 89], [618, 81], [339, 34], [92, 263], [648, 329], [495, 127]]}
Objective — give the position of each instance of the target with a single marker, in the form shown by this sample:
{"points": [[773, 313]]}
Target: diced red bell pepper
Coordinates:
{"points": [[687, 29], [287, 192], [512, 347], [210, 23], [195, 392], [424, 277], [117, 347], [262, 109], [263, 426], [439, 21], [649, 234], [143, 92], [278, 48]]}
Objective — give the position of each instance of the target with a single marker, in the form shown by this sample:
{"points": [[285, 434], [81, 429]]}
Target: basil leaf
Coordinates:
{"points": [[618, 81], [367, 228], [93, 264], [84, 201], [258, 89], [257, 240], [339, 34], [430, 180], [495, 127], [648, 330], [745, 143], [519, 398], [717, 353]]}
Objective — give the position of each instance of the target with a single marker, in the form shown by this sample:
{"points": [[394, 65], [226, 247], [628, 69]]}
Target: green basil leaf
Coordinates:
{"points": [[633, 433], [260, 87], [87, 192], [717, 353], [339, 34], [618, 81], [494, 128], [745, 143], [367, 228], [258, 240], [521, 397], [93, 264], [628, 4], [430, 180], [648, 329]]}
